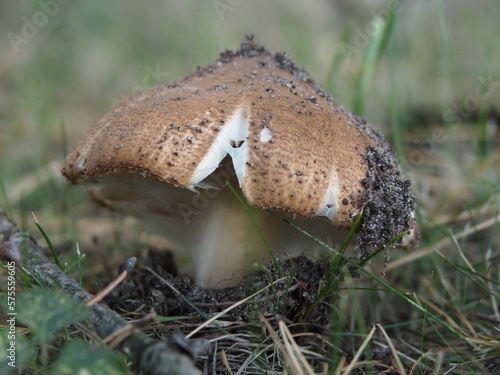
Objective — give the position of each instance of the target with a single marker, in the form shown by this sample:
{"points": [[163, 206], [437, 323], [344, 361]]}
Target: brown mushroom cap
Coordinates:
{"points": [[293, 148]]}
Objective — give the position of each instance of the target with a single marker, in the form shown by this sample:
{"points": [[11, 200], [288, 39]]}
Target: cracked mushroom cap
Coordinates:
{"points": [[273, 131]]}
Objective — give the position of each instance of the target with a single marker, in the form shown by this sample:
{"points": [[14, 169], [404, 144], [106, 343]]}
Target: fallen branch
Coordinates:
{"points": [[150, 355]]}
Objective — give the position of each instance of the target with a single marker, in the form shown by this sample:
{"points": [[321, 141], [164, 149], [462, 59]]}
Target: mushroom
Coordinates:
{"points": [[256, 121]]}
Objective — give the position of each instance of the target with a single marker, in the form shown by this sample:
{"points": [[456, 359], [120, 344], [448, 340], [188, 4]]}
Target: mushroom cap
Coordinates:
{"points": [[293, 148]]}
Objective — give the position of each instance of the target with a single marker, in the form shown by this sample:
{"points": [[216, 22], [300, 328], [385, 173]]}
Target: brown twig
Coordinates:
{"points": [[150, 355]]}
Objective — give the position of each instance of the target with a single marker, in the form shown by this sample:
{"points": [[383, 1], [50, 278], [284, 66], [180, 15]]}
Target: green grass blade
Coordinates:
{"points": [[333, 76], [48, 241], [254, 222], [394, 105], [445, 54], [4, 197], [373, 53]]}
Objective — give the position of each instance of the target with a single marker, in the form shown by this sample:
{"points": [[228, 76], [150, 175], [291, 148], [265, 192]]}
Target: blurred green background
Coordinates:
{"points": [[434, 91], [65, 63]]}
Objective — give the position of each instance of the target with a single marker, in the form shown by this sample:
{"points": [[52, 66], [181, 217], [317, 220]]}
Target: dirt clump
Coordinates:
{"points": [[290, 290]]}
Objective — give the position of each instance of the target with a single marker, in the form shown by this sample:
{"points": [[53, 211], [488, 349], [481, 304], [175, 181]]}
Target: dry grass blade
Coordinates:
{"points": [[225, 311], [438, 297], [444, 242], [393, 349], [279, 344], [448, 218], [418, 362], [252, 357], [341, 370], [462, 255], [350, 367], [294, 350], [341, 365], [291, 352], [225, 361], [114, 339], [494, 299]]}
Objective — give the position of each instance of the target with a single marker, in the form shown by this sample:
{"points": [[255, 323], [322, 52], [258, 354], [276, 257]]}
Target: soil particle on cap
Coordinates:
{"points": [[249, 48], [388, 203]]}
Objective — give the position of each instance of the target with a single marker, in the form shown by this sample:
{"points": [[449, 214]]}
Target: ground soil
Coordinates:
{"points": [[294, 298]]}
